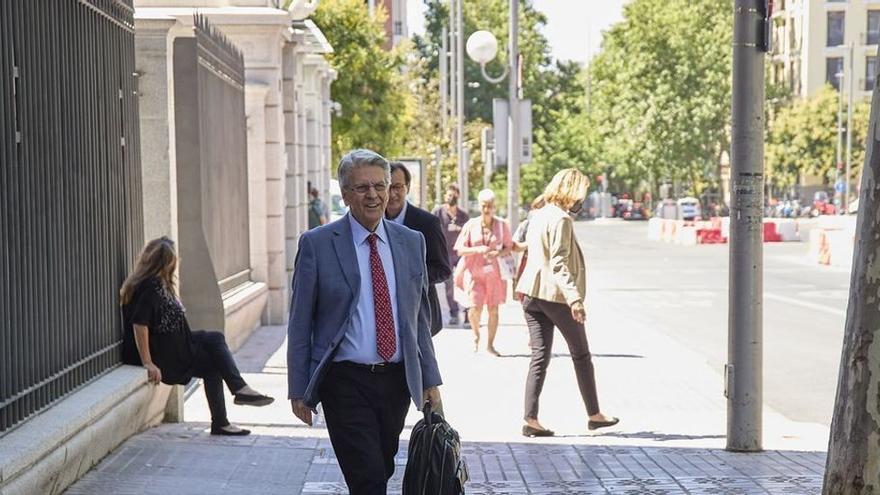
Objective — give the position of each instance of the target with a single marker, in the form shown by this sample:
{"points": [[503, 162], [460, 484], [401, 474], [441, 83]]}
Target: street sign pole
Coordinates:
{"points": [[743, 373]]}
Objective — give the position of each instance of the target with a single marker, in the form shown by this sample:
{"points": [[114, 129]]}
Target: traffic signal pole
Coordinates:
{"points": [[743, 373]]}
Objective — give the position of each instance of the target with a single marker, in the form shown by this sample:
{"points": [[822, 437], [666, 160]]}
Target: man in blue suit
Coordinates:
{"points": [[359, 331]]}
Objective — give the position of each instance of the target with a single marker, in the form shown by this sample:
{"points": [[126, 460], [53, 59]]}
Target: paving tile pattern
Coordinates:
{"points": [[184, 459], [530, 468]]}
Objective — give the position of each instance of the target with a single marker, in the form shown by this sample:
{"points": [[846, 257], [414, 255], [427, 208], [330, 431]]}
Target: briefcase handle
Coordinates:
{"points": [[427, 411]]}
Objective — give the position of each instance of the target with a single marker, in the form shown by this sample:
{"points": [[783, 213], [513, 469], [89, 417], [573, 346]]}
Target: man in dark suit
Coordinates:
{"points": [[359, 339], [401, 211]]}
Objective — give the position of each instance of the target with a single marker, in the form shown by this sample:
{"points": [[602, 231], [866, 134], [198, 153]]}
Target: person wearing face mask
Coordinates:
{"points": [[452, 219], [554, 288]]}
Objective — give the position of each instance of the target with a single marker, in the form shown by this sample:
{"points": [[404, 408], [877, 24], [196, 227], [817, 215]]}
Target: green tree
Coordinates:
{"points": [[556, 90], [370, 88], [661, 92], [802, 139]]}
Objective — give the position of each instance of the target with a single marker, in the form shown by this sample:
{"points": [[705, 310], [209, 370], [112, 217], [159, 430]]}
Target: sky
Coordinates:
{"points": [[574, 27]]}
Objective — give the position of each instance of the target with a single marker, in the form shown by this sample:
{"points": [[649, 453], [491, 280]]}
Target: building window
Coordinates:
{"points": [[398, 28], [872, 37], [836, 23], [870, 72], [833, 71]]}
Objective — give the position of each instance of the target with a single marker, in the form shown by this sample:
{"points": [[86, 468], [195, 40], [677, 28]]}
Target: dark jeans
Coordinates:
{"points": [[541, 317], [214, 364], [365, 412]]}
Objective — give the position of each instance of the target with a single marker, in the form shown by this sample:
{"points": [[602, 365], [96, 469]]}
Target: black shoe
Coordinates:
{"points": [[253, 400], [529, 431], [595, 425], [221, 430]]}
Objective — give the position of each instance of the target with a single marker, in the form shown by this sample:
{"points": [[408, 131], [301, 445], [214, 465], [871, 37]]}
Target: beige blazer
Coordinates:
{"points": [[555, 269]]}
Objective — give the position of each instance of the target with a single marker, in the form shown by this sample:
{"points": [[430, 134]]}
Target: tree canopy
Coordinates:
{"points": [[376, 105], [661, 92], [802, 139]]}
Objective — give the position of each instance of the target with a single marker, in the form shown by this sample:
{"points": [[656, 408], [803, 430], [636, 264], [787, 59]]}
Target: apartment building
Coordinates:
{"points": [[813, 40], [395, 24]]}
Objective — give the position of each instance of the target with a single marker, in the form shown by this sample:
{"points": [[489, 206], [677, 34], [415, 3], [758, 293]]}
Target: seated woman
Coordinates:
{"points": [[157, 337]]}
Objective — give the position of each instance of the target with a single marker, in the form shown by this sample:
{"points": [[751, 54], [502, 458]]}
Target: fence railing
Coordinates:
{"points": [[70, 194]]}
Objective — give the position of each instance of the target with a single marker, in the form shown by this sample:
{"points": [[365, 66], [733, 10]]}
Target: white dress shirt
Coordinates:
{"points": [[359, 343], [399, 218]]}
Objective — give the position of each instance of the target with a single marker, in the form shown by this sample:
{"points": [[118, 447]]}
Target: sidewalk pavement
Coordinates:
{"points": [[670, 440]]}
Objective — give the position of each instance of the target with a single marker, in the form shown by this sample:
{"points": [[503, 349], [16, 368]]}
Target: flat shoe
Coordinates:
{"points": [[253, 400], [595, 425], [529, 431], [220, 430]]}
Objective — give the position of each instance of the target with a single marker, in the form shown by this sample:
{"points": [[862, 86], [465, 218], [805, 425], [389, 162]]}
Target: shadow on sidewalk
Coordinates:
{"points": [[565, 355]]}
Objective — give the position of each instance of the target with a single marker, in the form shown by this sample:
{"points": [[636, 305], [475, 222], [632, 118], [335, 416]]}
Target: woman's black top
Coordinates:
{"points": [[171, 345]]}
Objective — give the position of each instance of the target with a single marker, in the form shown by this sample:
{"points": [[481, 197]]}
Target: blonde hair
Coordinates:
{"points": [[157, 259], [486, 195], [566, 188]]}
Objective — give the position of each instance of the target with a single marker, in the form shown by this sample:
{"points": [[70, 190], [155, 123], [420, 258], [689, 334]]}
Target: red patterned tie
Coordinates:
{"points": [[386, 342]]}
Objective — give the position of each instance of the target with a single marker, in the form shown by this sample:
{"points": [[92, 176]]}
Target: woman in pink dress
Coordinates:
{"points": [[482, 241]]}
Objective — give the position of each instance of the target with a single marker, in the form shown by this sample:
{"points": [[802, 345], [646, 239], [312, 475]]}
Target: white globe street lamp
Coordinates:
{"points": [[482, 46]]}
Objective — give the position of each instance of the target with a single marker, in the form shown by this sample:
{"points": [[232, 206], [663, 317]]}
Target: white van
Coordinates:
{"points": [[337, 206]]}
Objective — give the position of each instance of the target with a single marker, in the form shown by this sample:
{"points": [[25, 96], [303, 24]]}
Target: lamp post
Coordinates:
{"points": [[482, 46]]}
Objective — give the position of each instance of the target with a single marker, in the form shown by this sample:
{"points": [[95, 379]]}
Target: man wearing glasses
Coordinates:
{"points": [[401, 211], [359, 338]]}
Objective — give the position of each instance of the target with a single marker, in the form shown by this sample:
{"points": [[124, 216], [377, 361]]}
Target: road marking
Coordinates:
{"points": [[817, 307]]}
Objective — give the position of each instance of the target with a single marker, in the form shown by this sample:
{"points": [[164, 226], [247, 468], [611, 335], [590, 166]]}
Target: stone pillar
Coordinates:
{"points": [[153, 49], [261, 45], [326, 125], [255, 104], [296, 220], [154, 39]]}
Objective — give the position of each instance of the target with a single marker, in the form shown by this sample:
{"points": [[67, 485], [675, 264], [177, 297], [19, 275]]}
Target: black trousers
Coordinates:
{"points": [[541, 317], [365, 412], [213, 363], [449, 284]]}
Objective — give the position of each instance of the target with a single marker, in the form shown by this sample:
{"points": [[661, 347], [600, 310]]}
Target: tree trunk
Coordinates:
{"points": [[853, 465]]}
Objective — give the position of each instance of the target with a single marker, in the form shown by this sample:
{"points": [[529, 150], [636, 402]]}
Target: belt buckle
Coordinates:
{"points": [[373, 367]]}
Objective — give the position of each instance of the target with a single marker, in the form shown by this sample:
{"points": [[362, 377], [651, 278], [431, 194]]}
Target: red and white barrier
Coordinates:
{"points": [[716, 231]]}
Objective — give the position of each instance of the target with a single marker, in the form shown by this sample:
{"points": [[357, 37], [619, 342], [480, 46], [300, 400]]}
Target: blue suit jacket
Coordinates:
{"points": [[326, 286]]}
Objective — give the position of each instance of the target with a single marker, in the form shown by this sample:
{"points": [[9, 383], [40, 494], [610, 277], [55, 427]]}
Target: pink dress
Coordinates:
{"points": [[480, 278]]}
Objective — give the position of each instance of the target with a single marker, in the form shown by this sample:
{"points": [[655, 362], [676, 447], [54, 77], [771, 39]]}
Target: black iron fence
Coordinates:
{"points": [[70, 201], [223, 152]]}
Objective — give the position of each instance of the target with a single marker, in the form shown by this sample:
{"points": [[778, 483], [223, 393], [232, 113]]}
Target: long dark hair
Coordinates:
{"points": [[157, 259]]}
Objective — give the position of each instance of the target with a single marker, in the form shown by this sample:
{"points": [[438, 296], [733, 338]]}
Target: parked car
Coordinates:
{"points": [[689, 209]]}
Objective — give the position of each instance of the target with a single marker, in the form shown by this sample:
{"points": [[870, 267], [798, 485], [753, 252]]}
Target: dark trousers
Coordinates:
{"points": [[365, 412], [541, 317], [214, 364], [450, 297]]}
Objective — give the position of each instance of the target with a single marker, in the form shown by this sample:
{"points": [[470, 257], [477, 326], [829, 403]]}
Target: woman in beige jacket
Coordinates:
{"points": [[554, 283]]}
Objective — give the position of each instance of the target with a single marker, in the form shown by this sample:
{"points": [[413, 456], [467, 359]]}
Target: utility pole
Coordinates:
{"points": [[514, 142], [849, 130], [444, 109], [743, 373], [459, 105], [840, 79]]}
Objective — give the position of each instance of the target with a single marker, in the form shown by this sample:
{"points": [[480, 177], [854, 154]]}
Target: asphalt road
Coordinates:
{"points": [[682, 291]]}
